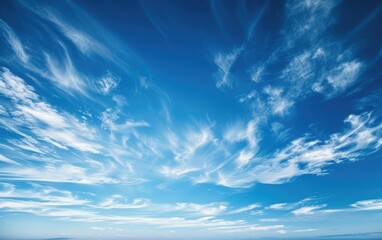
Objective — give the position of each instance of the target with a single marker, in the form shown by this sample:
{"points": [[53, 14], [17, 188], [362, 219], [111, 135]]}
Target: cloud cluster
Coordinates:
{"points": [[304, 155], [47, 201]]}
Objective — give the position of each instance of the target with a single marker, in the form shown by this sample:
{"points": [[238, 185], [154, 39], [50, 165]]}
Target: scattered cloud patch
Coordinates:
{"points": [[108, 83]]}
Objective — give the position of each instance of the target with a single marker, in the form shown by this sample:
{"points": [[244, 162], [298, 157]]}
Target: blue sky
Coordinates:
{"points": [[190, 119]]}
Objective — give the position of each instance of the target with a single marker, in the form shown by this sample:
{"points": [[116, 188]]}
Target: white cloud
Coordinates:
{"points": [[110, 117], [309, 157], [278, 103], [310, 72], [178, 222], [315, 63], [3, 111], [363, 205], [373, 204], [308, 16], [64, 74], [47, 201], [257, 73], [60, 129], [246, 208], [98, 228], [119, 100], [108, 83], [344, 75], [84, 42], [211, 209], [250, 228], [269, 220], [66, 173], [305, 230], [224, 62], [15, 88], [4, 159], [266, 228], [144, 82], [239, 132], [244, 158], [299, 71], [115, 202], [288, 206], [175, 172], [304, 155], [278, 206], [190, 149], [43, 201], [40, 195], [15, 42], [308, 210], [247, 133]]}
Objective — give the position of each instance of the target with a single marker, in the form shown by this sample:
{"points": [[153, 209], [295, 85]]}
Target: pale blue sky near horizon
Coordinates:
{"points": [[190, 119]]}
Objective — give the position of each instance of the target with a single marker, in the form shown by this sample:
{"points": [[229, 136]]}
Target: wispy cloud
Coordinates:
{"points": [[110, 120], [256, 73], [317, 62], [152, 19], [83, 41], [106, 124], [44, 200], [107, 83], [304, 155], [64, 173], [188, 150], [211, 209], [254, 228], [118, 202], [225, 62], [308, 210], [278, 103], [40, 194], [289, 206], [4, 159], [60, 129], [341, 77], [374, 204], [317, 18], [75, 44], [56, 129], [14, 42], [246, 208], [278, 206], [363, 205], [305, 230], [65, 75], [269, 220]]}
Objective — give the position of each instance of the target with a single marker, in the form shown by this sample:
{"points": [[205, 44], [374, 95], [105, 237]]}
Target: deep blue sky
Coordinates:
{"points": [[190, 119]]}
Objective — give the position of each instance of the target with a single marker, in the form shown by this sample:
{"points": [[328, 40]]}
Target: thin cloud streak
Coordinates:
{"points": [[14, 42]]}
